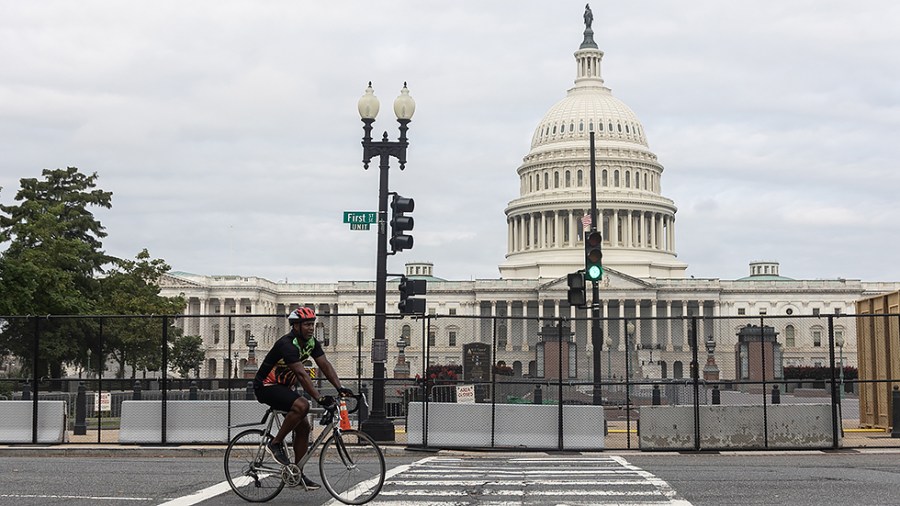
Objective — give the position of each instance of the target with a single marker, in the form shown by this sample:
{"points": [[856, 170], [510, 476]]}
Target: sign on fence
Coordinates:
{"points": [[102, 402], [465, 394]]}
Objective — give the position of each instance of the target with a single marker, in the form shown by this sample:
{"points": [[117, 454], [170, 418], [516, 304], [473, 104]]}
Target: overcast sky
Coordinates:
{"points": [[229, 136]]}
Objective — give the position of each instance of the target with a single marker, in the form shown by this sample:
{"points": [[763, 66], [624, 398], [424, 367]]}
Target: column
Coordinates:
{"points": [[654, 334], [669, 325], [509, 321], [604, 311], [685, 325], [622, 337], [614, 228], [557, 229]]}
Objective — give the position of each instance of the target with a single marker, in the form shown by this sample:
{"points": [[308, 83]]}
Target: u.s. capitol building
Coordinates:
{"points": [[644, 279]]}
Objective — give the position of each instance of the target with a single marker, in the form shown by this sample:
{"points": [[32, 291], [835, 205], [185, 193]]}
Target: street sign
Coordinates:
{"points": [[360, 217], [359, 226]]}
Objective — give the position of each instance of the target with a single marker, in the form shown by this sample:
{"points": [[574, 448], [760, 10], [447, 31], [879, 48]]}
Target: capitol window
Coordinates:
{"points": [[604, 178], [568, 179], [556, 179], [581, 126], [616, 179], [626, 129], [580, 178], [572, 126]]}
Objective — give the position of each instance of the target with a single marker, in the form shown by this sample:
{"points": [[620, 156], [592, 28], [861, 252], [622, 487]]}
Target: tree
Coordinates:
{"points": [[49, 267], [131, 287], [187, 355]]}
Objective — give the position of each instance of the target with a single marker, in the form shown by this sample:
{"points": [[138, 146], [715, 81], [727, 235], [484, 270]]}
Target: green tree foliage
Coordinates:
{"points": [[187, 355], [54, 264], [50, 264], [131, 287]]}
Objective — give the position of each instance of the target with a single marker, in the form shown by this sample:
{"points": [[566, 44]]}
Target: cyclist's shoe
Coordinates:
{"points": [[309, 484], [276, 450]]}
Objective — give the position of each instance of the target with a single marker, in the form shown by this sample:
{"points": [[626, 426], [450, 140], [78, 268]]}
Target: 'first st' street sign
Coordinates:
{"points": [[360, 217]]}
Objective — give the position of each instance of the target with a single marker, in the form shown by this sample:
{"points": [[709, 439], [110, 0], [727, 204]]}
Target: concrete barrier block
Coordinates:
{"points": [[186, 421], [16, 421], [736, 427], [452, 425]]}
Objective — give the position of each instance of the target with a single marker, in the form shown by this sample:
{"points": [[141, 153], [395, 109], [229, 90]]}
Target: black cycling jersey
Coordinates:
{"points": [[291, 348]]}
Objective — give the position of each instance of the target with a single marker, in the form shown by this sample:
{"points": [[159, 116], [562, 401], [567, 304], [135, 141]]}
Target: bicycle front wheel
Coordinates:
{"points": [[252, 473], [352, 467]]}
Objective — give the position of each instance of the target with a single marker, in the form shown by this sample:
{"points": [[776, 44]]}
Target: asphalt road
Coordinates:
{"points": [[138, 477]]}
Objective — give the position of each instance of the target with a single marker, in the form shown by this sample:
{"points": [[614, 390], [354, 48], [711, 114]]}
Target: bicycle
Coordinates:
{"points": [[350, 462]]}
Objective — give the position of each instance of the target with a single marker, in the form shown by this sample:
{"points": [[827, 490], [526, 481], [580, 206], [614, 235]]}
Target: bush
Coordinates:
{"points": [[817, 373]]}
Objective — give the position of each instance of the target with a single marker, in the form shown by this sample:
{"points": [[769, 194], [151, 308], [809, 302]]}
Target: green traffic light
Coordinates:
{"points": [[594, 272]]}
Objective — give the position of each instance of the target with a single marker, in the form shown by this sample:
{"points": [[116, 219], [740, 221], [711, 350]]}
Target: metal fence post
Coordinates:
{"points": [[895, 406], [192, 391], [538, 395], [716, 395], [80, 428], [363, 413], [250, 395], [136, 395], [776, 395], [656, 399]]}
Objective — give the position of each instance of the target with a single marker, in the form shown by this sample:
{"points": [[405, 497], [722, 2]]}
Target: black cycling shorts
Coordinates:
{"points": [[280, 397]]}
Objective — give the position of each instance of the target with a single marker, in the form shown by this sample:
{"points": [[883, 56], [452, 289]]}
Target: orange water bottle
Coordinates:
{"points": [[345, 417]]}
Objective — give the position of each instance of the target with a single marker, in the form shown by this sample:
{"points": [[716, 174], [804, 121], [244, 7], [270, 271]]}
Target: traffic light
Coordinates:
{"points": [[576, 294], [400, 223], [593, 255], [409, 304]]}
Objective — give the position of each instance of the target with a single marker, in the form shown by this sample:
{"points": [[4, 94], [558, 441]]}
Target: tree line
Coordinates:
{"points": [[53, 263]]}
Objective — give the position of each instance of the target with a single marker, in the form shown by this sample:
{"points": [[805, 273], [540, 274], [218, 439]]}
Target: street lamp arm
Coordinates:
{"points": [[384, 147]]}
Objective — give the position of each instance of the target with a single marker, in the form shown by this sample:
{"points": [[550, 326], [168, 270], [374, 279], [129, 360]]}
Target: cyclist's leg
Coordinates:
{"points": [[301, 437], [296, 414], [283, 398]]}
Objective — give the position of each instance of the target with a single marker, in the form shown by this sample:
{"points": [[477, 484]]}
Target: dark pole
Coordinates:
{"points": [[377, 425], [596, 331]]}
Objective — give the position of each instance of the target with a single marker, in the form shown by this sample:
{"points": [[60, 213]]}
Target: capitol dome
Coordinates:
{"points": [[586, 109], [546, 222]]}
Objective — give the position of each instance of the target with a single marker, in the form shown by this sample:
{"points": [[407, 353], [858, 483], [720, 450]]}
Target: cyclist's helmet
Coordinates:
{"points": [[300, 315]]}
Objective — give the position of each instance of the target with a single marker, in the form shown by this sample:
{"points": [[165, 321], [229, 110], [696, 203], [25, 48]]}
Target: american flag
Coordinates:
{"points": [[586, 222]]}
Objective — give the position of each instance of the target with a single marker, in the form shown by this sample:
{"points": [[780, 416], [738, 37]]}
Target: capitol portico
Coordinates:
{"points": [[644, 281]]}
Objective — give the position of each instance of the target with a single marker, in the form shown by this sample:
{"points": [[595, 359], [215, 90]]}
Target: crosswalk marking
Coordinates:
{"points": [[498, 481]]}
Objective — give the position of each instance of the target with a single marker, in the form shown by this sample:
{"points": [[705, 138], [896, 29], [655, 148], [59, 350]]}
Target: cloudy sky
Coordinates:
{"points": [[228, 131]]}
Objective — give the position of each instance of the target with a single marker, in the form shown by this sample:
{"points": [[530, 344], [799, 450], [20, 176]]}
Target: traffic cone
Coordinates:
{"points": [[345, 417]]}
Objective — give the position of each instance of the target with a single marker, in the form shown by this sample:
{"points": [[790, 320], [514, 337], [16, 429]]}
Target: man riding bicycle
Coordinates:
{"points": [[274, 384]]}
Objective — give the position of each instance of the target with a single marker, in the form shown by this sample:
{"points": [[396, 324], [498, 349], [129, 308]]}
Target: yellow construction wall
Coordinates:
{"points": [[878, 349]]}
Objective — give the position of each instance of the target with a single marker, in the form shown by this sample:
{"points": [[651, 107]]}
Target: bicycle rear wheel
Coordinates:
{"points": [[352, 467], [252, 473]]}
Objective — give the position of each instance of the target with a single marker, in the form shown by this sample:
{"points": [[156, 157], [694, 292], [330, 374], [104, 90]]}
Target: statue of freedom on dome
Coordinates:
{"points": [[588, 16]]}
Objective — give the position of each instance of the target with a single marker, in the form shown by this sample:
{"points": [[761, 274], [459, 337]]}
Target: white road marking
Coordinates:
{"points": [[88, 497], [358, 490], [568, 480], [202, 495]]}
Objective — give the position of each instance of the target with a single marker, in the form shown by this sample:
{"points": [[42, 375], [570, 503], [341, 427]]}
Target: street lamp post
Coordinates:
{"points": [[608, 343], [235, 364], [629, 337], [377, 425], [839, 341]]}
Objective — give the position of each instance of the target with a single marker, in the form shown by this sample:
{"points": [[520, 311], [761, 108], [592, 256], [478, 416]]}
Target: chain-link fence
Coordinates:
{"points": [[461, 381]]}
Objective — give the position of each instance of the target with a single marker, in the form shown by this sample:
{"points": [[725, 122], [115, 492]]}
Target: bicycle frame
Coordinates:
{"points": [[274, 418]]}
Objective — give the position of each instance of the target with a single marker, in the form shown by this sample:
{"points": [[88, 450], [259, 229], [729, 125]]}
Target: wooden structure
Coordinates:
{"points": [[878, 348]]}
